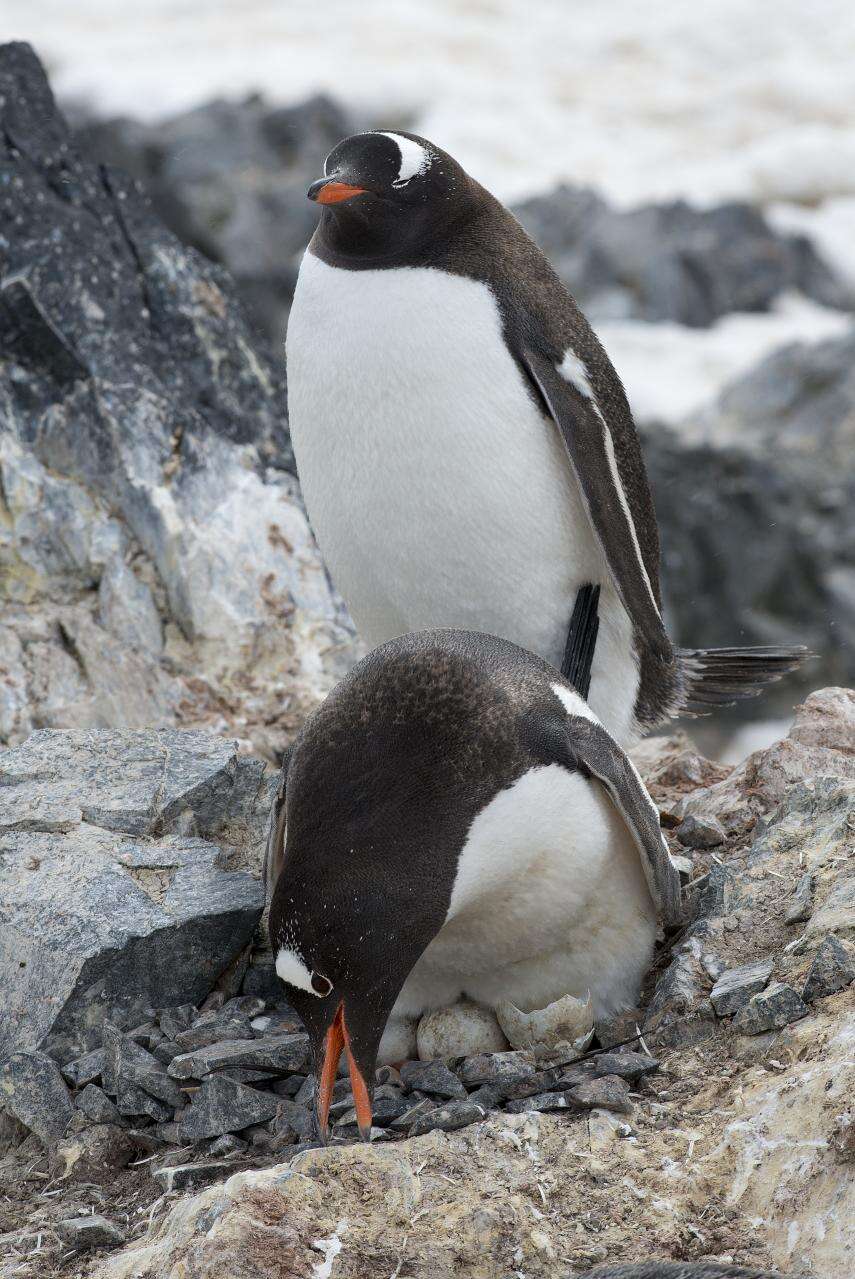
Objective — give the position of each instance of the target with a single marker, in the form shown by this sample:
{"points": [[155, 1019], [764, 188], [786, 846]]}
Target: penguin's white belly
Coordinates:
{"points": [[550, 899], [439, 492]]}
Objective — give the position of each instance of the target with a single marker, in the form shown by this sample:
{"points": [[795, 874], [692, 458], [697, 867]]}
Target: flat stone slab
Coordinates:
{"points": [[222, 1106], [124, 902], [447, 1118], [735, 987], [433, 1077], [288, 1053]]}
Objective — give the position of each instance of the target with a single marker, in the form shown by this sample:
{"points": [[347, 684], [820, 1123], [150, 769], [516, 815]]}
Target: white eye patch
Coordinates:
{"points": [[414, 158], [290, 967]]}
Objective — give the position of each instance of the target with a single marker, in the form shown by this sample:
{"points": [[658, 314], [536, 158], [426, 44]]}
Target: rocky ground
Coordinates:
{"points": [[158, 1119]]}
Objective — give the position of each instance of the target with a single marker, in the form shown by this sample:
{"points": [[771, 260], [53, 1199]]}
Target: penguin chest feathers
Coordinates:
{"points": [[439, 491]]}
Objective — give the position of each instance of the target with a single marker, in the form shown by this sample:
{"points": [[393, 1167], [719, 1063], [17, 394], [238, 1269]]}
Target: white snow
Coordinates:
{"points": [[641, 101], [669, 370]]}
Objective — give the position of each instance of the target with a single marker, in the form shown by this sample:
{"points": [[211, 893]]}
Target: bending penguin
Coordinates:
{"points": [[465, 447], [457, 822]]}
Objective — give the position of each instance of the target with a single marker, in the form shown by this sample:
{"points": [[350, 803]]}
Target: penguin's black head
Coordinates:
{"points": [[386, 192], [382, 786]]}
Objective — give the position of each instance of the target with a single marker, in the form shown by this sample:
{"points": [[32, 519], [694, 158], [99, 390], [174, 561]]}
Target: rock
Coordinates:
{"points": [[90, 1232], [221, 1106], [502, 1069], [604, 1129], [671, 261], [447, 1118], [95, 1154], [117, 826], [777, 1005], [800, 904], [567, 1021], [128, 1067], [460, 1031], [767, 467], [628, 1065], [84, 1070], [190, 1176], [842, 1138], [227, 1146], [230, 178], [213, 1029], [735, 987], [680, 1012], [607, 1093], [33, 1091], [297, 1117], [837, 912], [139, 590], [433, 1077], [832, 968], [384, 1111], [276, 1053], [175, 1020], [694, 832], [96, 1105], [276, 1023], [405, 1121], [542, 1102]]}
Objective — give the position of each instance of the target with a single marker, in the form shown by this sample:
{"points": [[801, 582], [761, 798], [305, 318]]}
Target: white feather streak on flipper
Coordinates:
{"points": [[573, 369], [573, 703], [414, 158], [563, 1021]]}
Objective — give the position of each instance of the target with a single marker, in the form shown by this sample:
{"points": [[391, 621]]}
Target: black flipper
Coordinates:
{"points": [[721, 676], [275, 850], [590, 449], [582, 639], [583, 744]]}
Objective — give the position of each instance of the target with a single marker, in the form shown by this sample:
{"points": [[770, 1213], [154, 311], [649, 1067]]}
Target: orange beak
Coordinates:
{"points": [[333, 192], [337, 1039]]}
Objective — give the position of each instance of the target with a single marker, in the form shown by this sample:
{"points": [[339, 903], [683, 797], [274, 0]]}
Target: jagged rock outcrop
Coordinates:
{"points": [[156, 566], [754, 499], [230, 178], [672, 261]]}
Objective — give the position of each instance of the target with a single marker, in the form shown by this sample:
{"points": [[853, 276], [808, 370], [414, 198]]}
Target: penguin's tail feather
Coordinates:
{"points": [[721, 676]]}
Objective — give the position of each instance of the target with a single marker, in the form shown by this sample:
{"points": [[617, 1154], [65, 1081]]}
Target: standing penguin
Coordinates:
{"points": [[465, 447], [457, 822]]}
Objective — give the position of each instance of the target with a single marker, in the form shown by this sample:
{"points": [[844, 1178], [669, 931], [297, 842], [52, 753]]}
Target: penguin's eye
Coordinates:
{"points": [[321, 985]]}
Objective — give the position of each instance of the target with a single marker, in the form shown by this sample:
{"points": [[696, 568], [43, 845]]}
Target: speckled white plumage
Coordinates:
{"points": [[440, 494], [550, 899]]}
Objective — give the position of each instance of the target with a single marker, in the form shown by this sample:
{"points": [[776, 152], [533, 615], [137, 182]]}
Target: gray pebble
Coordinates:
{"points": [[89, 1232], [800, 904], [700, 832], [504, 1069], [776, 1006], [448, 1117], [432, 1077]]}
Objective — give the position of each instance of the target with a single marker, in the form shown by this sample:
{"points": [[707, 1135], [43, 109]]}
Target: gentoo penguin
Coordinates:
{"points": [[466, 450], [457, 822]]}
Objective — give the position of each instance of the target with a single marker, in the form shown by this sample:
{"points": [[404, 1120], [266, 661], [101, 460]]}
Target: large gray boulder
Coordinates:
{"points": [[121, 880], [156, 565], [754, 498], [672, 261]]}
